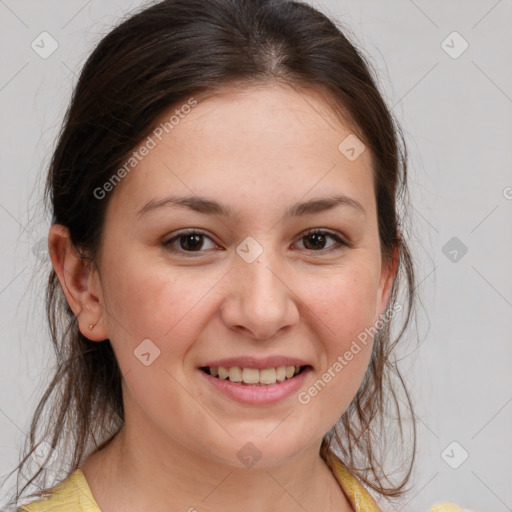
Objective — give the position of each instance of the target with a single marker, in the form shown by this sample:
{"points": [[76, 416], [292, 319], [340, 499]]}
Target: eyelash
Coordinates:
{"points": [[341, 244]]}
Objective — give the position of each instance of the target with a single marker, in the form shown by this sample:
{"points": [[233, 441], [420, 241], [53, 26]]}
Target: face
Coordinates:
{"points": [[251, 283]]}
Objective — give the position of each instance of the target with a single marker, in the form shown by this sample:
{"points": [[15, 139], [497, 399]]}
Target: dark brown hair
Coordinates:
{"points": [[160, 57]]}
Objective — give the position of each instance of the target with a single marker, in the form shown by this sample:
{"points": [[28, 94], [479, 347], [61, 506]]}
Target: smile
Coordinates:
{"points": [[254, 376], [255, 392]]}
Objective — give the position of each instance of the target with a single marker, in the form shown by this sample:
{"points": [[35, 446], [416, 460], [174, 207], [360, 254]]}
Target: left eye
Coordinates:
{"points": [[192, 241], [316, 236]]}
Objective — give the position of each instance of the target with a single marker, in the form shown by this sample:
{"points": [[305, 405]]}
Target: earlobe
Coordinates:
{"points": [[77, 278]]}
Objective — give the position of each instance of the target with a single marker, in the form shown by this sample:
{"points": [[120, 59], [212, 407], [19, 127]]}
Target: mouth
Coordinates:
{"points": [[254, 376]]}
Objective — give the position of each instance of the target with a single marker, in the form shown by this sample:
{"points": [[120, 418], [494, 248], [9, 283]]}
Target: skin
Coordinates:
{"points": [[257, 149]]}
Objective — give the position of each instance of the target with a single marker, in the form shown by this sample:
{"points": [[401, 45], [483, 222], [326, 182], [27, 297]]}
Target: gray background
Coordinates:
{"points": [[456, 115]]}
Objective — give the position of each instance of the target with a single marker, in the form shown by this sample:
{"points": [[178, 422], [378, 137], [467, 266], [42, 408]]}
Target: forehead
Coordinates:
{"points": [[252, 143], [257, 113]]}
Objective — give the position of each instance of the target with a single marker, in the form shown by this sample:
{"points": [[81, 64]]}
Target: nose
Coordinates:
{"points": [[260, 301]]}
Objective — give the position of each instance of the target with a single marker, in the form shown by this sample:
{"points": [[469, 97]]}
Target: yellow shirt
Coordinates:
{"points": [[74, 495]]}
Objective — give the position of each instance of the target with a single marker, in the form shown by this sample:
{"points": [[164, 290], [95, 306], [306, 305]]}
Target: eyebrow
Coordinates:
{"points": [[208, 206]]}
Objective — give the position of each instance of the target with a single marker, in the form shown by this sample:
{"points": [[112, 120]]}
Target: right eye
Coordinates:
{"points": [[190, 240]]}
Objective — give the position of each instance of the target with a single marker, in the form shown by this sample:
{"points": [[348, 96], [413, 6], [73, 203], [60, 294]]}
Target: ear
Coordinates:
{"points": [[80, 283], [388, 274]]}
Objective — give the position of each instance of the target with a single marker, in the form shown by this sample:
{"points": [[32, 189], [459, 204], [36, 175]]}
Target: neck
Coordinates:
{"points": [[138, 471]]}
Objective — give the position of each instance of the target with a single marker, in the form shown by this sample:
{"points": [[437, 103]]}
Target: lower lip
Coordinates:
{"points": [[258, 395]]}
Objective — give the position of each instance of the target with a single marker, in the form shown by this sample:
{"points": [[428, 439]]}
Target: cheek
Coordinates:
{"points": [[344, 302], [342, 309], [152, 301]]}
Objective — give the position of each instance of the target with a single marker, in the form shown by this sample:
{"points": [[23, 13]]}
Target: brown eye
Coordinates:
{"points": [[186, 242], [315, 240]]}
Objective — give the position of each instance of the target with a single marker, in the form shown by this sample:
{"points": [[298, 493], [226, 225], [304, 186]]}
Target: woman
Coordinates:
{"points": [[226, 265]]}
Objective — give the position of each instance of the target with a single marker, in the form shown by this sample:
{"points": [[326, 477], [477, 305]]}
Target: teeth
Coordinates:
{"points": [[268, 376], [253, 375], [280, 373], [250, 375], [235, 374]]}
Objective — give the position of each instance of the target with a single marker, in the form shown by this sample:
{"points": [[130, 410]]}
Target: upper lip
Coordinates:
{"points": [[254, 362]]}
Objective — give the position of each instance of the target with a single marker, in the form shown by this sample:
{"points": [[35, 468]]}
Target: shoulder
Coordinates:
{"points": [[448, 507], [360, 498], [71, 495]]}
